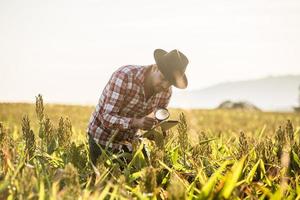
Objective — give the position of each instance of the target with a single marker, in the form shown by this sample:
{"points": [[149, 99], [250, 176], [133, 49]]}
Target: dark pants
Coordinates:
{"points": [[95, 150]]}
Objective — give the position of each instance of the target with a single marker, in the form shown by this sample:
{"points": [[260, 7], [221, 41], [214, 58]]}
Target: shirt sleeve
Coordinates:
{"points": [[115, 95]]}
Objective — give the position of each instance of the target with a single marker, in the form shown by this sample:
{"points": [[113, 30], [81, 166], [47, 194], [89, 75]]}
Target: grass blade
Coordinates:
{"points": [[232, 178]]}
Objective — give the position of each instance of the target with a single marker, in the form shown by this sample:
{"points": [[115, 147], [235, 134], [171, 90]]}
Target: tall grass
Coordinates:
{"points": [[235, 158]]}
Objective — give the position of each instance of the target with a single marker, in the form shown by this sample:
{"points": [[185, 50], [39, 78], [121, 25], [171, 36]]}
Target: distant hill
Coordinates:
{"points": [[278, 93], [240, 105]]}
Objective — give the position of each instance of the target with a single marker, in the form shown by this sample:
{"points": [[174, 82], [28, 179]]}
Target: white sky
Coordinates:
{"points": [[67, 50]]}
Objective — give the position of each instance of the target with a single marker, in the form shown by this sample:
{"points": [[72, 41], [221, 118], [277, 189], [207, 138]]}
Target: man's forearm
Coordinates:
{"points": [[116, 122]]}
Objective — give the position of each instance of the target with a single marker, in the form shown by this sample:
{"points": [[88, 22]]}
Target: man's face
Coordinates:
{"points": [[159, 82]]}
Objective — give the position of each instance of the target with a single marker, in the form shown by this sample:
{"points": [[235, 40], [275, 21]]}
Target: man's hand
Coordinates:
{"points": [[144, 123]]}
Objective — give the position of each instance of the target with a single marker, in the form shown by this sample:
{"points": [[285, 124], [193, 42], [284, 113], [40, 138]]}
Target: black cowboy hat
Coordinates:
{"points": [[172, 65]]}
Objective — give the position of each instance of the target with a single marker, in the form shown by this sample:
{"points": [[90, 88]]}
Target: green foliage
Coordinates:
{"points": [[231, 179], [212, 154]]}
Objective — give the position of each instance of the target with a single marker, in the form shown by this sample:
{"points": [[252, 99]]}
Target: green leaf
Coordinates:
{"points": [[42, 191], [263, 172], [135, 175], [165, 166], [207, 141], [166, 179], [262, 132], [138, 158], [174, 155], [105, 191], [52, 146], [296, 158], [276, 195], [209, 186], [252, 172], [298, 186], [174, 158], [232, 178]]}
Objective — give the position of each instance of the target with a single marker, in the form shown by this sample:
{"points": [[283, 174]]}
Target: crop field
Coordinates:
{"points": [[210, 154]]}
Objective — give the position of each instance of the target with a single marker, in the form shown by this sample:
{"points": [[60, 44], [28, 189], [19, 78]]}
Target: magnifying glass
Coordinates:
{"points": [[161, 114]]}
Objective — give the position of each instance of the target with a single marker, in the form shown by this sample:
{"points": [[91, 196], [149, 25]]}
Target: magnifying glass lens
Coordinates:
{"points": [[162, 114]]}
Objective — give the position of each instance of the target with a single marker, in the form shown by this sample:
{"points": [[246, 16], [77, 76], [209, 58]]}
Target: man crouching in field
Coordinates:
{"points": [[132, 93]]}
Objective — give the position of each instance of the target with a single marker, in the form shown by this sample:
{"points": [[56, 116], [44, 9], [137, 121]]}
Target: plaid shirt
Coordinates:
{"points": [[122, 99]]}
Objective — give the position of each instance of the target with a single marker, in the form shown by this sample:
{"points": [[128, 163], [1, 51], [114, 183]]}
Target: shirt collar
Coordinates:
{"points": [[141, 74]]}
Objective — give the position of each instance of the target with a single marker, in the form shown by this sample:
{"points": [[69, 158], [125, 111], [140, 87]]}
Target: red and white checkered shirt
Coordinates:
{"points": [[122, 99]]}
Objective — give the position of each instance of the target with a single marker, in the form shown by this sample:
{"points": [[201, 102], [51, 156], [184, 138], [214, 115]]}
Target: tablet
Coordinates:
{"points": [[166, 125]]}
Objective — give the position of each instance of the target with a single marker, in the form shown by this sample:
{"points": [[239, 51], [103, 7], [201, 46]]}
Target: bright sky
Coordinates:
{"points": [[67, 50]]}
